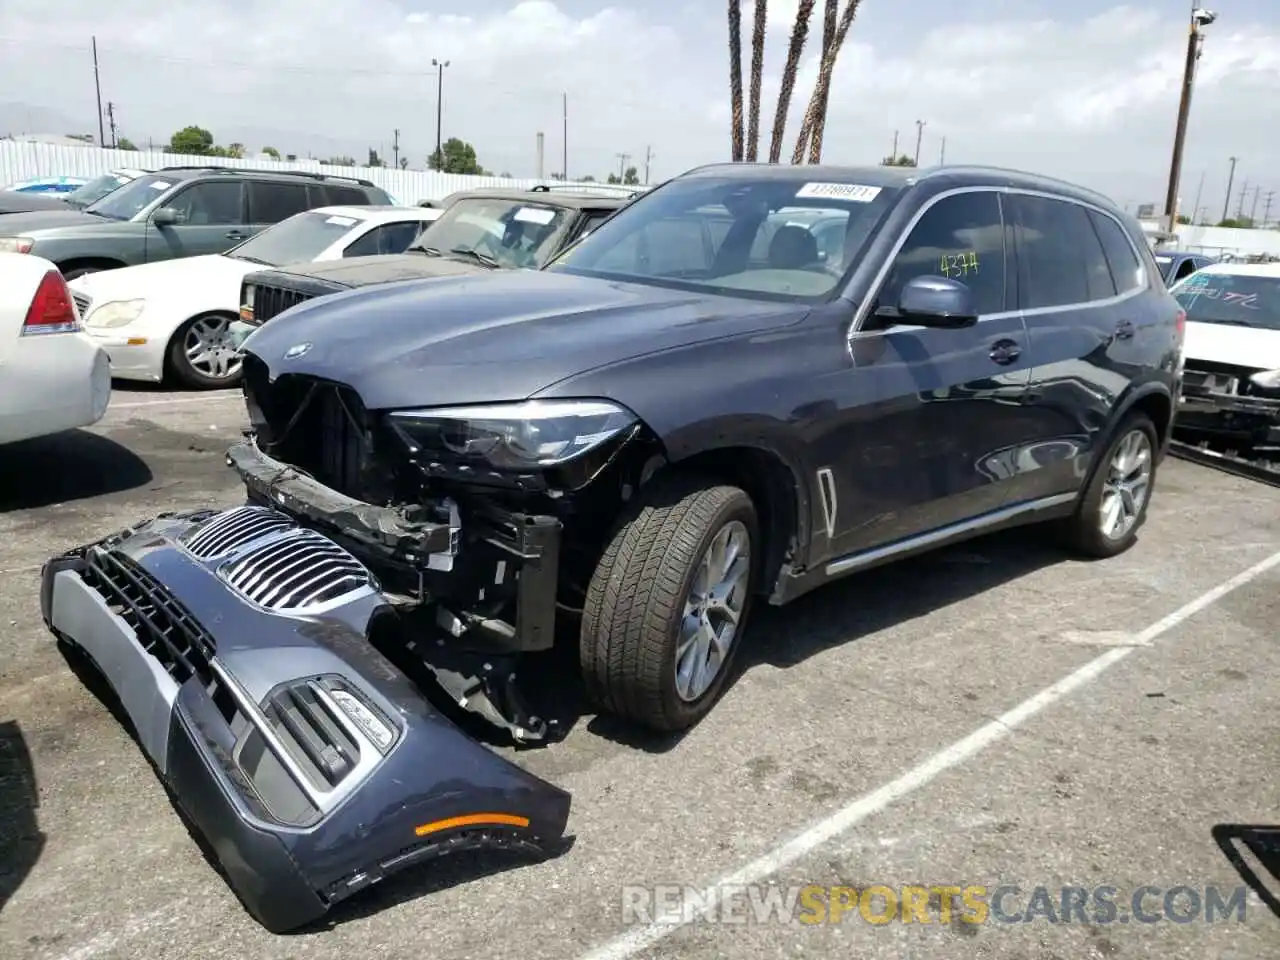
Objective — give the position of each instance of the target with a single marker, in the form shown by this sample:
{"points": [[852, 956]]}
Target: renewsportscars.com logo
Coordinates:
{"points": [[880, 904]]}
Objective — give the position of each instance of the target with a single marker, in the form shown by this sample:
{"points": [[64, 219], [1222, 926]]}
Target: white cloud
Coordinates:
{"points": [[1092, 99]]}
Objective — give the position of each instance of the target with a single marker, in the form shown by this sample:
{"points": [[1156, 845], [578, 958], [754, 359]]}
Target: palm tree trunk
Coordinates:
{"points": [[829, 21], [757, 71], [815, 117], [799, 34], [735, 76]]}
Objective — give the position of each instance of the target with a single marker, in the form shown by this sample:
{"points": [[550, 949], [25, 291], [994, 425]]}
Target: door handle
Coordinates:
{"points": [[237, 235], [1005, 351], [1124, 330]]}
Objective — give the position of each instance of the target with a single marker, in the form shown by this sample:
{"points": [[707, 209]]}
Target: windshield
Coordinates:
{"points": [[96, 189], [509, 232], [302, 237], [771, 238], [128, 201], [1234, 299]]}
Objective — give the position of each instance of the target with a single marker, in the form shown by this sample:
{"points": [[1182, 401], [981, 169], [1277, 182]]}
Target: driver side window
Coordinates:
{"points": [[961, 237]]}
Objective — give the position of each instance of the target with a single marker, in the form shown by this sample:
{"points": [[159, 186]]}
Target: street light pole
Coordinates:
{"points": [[439, 65], [919, 136], [1231, 179], [1199, 18]]}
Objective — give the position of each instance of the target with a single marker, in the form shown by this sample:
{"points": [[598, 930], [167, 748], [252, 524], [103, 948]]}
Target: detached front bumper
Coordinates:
{"points": [[237, 644], [1251, 420]]}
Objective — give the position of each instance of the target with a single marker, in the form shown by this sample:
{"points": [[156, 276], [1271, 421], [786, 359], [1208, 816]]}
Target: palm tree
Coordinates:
{"points": [[799, 33], [757, 70], [829, 20], [815, 117], [735, 75]]}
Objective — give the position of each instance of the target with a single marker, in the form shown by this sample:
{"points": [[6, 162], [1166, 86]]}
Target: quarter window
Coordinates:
{"points": [[1061, 260], [1126, 269], [960, 237]]}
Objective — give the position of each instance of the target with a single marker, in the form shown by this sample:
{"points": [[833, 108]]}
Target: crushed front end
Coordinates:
{"points": [[1233, 404], [238, 645], [482, 544]]}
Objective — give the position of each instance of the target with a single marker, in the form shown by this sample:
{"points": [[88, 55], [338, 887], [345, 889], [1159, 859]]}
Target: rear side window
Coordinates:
{"points": [[1126, 269], [339, 196], [271, 202], [1061, 260]]}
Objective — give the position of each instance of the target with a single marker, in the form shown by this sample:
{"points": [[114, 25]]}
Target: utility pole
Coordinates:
{"points": [[1199, 18], [622, 164], [111, 120], [564, 113], [920, 125], [1244, 189], [1253, 210], [1195, 207], [893, 154], [942, 152], [1266, 208], [439, 65], [1226, 202], [648, 159], [97, 89], [395, 149]]}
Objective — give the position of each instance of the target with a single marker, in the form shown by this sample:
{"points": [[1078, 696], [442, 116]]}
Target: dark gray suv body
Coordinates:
{"points": [[176, 212]]}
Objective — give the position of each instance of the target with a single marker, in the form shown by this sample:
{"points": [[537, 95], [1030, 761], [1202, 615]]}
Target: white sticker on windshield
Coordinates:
{"points": [[341, 221], [160, 185], [534, 215], [857, 192]]}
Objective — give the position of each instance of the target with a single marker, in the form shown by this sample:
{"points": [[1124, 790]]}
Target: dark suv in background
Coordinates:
{"points": [[176, 212], [479, 230]]}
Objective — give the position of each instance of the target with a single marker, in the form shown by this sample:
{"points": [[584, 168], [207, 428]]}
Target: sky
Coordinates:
{"points": [[1090, 95]]}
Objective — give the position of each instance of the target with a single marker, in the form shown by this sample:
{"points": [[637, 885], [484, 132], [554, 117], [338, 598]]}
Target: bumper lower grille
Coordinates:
{"points": [[83, 303], [270, 302], [163, 626], [298, 572]]}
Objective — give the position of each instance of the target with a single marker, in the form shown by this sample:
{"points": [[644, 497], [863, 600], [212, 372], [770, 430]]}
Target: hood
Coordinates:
{"points": [[20, 224], [503, 335], [184, 275], [1224, 343], [367, 271], [15, 201]]}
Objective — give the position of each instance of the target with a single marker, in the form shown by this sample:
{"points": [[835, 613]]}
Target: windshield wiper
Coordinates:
{"points": [[419, 248], [487, 260], [257, 260]]}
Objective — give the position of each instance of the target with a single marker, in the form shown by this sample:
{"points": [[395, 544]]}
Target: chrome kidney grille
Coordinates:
{"points": [[274, 564]]}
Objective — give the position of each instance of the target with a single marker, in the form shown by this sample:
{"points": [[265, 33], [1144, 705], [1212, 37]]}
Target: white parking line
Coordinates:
{"points": [[203, 398], [643, 937]]}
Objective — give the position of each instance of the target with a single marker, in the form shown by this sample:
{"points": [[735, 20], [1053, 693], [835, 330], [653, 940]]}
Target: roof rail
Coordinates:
{"points": [[587, 187], [311, 174]]}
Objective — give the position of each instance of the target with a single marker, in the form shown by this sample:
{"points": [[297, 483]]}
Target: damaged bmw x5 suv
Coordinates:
{"points": [[752, 381]]}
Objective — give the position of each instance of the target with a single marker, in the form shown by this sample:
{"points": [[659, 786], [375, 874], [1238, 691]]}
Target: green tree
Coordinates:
{"points": [[902, 160], [631, 176], [192, 140], [458, 157], [124, 143], [613, 178], [339, 162], [374, 159], [587, 179], [1240, 223], [271, 152]]}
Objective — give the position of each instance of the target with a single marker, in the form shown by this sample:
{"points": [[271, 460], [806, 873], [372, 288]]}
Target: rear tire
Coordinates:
{"points": [[649, 592], [213, 329], [1114, 505], [74, 272]]}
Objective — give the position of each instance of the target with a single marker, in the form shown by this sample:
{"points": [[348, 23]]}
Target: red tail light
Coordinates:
{"points": [[52, 310], [1180, 322]]}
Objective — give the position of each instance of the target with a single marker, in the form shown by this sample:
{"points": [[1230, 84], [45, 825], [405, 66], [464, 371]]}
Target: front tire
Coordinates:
{"points": [[201, 354], [666, 608], [1114, 506]]}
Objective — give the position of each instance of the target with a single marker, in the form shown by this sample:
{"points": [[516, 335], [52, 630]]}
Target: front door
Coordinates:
{"points": [[211, 219], [925, 415]]}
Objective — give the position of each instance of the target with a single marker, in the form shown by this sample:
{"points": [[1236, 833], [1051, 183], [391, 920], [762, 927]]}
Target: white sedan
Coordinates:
{"points": [[53, 377], [173, 318]]}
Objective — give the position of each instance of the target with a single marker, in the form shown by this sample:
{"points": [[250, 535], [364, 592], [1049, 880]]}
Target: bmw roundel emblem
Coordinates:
{"points": [[297, 350]]}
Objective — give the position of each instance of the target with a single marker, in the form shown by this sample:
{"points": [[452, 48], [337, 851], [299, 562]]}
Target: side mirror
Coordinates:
{"points": [[167, 216], [937, 302]]}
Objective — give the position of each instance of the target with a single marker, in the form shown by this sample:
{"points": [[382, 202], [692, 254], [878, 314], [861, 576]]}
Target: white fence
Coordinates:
{"points": [[20, 161]]}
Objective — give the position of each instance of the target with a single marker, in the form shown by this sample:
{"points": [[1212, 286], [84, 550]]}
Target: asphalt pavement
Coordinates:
{"points": [[991, 719]]}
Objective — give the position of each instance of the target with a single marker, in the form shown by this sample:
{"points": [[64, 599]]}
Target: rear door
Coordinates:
{"points": [[1080, 286], [271, 201], [211, 220]]}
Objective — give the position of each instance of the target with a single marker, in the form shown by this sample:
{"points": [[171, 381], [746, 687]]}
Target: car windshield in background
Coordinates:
{"points": [[1232, 299], [1166, 267], [301, 238], [768, 239], [128, 201], [95, 189], [501, 231]]}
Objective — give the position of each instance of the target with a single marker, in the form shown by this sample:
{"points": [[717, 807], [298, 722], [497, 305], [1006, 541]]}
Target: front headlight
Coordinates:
{"points": [[516, 436], [115, 313], [1267, 379], [16, 244]]}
